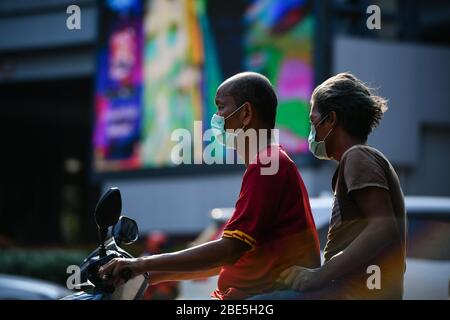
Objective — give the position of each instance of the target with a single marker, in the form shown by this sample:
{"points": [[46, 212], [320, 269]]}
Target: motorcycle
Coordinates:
{"points": [[108, 213]]}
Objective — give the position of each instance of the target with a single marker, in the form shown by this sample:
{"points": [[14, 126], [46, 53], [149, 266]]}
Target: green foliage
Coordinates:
{"points": [[50, 265]]}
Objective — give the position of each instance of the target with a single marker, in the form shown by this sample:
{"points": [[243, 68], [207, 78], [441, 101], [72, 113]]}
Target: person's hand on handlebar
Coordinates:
{"points": [[121, 270]]}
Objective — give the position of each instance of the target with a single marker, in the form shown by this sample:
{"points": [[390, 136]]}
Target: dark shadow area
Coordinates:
{"points": [[45, 185]]}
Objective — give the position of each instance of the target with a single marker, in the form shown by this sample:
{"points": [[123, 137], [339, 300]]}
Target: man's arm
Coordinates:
{"points": [[156, 277], [203, 257], [375, 205]]}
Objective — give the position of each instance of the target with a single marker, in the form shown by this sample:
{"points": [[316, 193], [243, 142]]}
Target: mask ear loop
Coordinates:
{"points": [[235, 111], [329, 132], [243, 127], [322, 120]]}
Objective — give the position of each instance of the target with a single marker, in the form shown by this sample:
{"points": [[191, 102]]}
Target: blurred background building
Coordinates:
{"points": [[89, 108]]}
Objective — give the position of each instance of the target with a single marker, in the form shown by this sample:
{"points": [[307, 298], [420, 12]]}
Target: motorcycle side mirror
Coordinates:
{"points": [[107, 213], [125, 231], [108, 209]]}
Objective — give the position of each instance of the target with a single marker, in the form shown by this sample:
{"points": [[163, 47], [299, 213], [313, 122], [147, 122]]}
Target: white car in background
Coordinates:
{"points": [[24, 288], [428, 247]]}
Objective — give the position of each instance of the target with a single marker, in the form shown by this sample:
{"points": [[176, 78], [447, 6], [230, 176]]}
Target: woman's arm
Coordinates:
{"points": [[375, 205]]}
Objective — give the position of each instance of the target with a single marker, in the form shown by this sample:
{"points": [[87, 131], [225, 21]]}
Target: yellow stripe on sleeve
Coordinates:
{"points": [[237, 234]]}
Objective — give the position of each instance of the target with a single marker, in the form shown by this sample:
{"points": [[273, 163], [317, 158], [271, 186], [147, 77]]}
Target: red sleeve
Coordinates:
{"points": [[256, 207]]}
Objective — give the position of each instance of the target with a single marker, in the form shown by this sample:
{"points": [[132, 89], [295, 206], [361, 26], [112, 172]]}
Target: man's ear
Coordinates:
{"points": [[247, 114], [333, 119]]}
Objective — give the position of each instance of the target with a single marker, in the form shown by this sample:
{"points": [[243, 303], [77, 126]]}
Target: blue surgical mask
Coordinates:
{"points": [[318, 148], [225, 138]]}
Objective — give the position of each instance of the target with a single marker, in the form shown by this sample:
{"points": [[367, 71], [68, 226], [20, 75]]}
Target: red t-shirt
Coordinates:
{"points": [[273, 216]]}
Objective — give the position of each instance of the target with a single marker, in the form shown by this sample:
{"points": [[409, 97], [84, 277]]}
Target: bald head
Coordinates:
{"points": [[256, 89]]}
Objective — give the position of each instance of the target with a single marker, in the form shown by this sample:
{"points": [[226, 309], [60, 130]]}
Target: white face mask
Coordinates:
{"points": [[318, 148], [224, 137]]}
